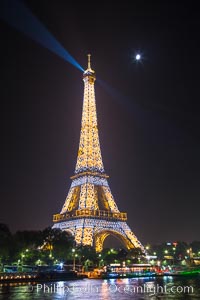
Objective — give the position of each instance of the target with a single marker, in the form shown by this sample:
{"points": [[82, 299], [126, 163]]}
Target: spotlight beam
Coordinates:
{"points": [[17, 15]]}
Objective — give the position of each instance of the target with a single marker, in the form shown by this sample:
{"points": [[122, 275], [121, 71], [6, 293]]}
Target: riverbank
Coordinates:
{"points": [[40, 276], [51, 276]]}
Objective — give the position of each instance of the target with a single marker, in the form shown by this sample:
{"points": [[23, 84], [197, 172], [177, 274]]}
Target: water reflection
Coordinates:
{"points": [[113, 289]]}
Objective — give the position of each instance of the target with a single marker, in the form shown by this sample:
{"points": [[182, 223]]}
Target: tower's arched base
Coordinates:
{"points": [[93, 232], [99, 239]]}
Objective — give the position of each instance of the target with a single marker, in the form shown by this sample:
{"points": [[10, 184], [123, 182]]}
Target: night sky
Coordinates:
{"points": [[148, 124]]}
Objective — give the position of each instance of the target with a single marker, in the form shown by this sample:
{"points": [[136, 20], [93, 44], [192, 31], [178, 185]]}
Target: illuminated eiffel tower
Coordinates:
{"points": [[90, 213]]}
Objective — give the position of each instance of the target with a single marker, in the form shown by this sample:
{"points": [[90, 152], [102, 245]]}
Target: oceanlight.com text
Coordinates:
{"points": [[56, 288]]}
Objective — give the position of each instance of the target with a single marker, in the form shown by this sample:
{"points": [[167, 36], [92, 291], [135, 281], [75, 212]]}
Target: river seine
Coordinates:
{"points": [[112, 289]]}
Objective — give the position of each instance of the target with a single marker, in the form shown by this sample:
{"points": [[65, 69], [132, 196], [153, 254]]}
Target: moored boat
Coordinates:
{"points": [[135, 270]]}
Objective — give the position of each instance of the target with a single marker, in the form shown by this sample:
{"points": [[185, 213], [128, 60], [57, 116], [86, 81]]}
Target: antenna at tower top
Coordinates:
{"points": [[89, 72], [89, 62]]}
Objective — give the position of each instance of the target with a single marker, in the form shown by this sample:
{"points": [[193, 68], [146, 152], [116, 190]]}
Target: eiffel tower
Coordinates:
{"points": [[90, 213]]}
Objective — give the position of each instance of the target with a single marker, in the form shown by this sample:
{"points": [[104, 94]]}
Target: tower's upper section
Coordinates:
{"points": [[89, 153], [89, 74]]}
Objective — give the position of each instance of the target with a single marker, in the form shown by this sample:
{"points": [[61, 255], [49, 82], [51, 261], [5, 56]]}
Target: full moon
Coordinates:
{"points": [[138, 57]]}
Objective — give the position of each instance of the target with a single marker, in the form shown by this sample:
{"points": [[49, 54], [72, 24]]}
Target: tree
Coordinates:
{"points": [[57, 243], [134, 254], [86, 252], [5, 243], [195, 245], [28, 239]]}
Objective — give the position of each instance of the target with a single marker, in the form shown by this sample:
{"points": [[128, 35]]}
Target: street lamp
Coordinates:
{"points": [[22, 255], [74, 263], [18, 262], [99, 260], [39, 262], [61, 266]]}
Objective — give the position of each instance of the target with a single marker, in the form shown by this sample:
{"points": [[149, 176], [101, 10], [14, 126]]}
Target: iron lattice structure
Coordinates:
{"points": [[90, 213]]}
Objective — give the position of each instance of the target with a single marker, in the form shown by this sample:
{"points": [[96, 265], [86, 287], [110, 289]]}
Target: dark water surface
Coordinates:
{"points": [[112, 289]]}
